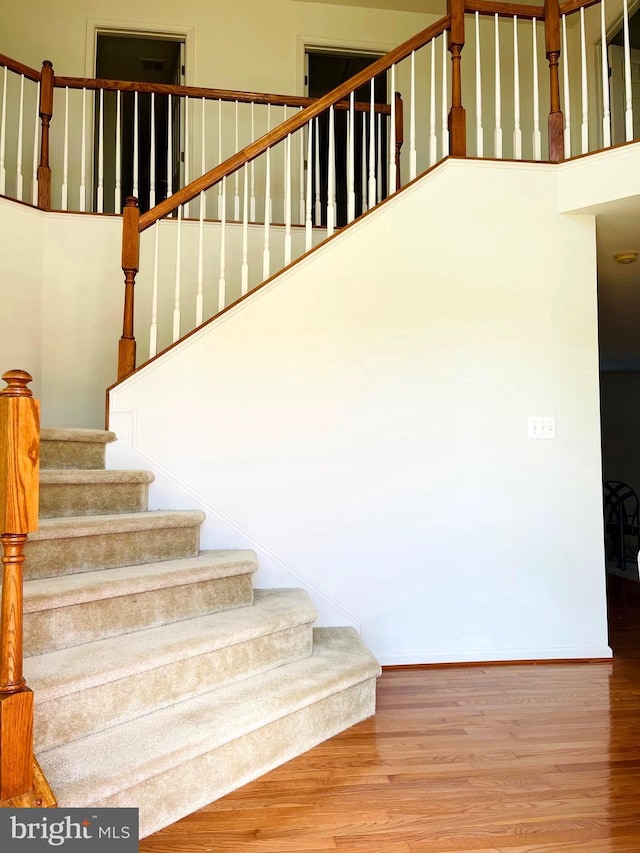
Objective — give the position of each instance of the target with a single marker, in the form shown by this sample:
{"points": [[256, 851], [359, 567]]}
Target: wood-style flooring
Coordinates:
{"points": [[540, 758]]}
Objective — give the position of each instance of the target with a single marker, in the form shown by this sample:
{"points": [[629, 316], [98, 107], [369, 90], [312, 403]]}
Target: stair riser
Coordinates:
{"points": [[65, 500], [55, 557], [169, 794], [72, 454], [71, 717], [48, 630]]}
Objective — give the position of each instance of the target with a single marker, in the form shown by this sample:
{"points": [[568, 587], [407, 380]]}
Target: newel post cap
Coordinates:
{"points": [[17, 381]]}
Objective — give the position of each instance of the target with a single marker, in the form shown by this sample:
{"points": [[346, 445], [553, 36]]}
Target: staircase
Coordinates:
{"points": [[162, 679]]}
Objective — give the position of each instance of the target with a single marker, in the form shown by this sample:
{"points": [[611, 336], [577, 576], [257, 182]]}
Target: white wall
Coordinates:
{"points": [[362, 422], [21, 263]]}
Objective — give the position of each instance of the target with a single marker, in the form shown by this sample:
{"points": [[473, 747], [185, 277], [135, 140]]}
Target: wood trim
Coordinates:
{"points": [[573, 5], [207, 94], [20, 68], [505, 10], [254, 149]]}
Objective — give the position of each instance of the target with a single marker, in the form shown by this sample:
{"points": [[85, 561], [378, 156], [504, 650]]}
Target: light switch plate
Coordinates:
{"points": [[542, 427]]}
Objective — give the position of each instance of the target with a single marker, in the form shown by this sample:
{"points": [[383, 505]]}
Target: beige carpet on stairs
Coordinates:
{"points": [[162, 679]]}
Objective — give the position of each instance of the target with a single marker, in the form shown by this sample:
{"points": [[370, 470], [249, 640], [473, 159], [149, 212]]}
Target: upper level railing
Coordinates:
{"points": [[111, 139]]}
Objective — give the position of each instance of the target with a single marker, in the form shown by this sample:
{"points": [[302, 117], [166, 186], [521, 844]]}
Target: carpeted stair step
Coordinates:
{"points": [[73, 448], [83, 543], [101, 684], [77, 491], [79, 608], [180, 758]]}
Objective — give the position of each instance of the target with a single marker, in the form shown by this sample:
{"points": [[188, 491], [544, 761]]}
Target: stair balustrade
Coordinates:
{"points": [[112, 139], [21, 781]]}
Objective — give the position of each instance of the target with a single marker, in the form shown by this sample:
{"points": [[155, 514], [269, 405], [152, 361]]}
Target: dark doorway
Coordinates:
{"points": [[134, 58], [326, 70]]}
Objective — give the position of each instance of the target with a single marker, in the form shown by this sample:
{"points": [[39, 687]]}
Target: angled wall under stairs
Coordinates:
{"points": [[162, 679]]}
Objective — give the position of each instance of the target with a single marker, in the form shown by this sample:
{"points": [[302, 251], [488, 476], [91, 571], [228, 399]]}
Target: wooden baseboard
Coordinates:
{"points": [[40, 796]]}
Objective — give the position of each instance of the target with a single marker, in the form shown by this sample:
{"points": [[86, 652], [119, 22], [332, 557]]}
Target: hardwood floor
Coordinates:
{"points": [[528, 759]]}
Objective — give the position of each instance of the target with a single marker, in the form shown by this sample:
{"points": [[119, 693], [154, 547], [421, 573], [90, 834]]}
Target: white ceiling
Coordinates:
{"points": [[437, 7]]}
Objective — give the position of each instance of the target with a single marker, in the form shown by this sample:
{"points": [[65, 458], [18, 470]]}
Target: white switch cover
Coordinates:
{"points": [[542, 427]]}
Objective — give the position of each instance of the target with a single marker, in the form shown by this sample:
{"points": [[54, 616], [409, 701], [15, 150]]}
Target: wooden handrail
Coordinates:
{"points": [[19, 68], [573, 5], [505, 10], [291, 125], [208, 94], [19, 473]]}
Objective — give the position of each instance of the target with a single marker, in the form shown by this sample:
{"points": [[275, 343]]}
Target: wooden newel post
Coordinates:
{"points": [[46, 112], [130, 261], [19, 477], [399, 135], [457, 116], [552, 44]]}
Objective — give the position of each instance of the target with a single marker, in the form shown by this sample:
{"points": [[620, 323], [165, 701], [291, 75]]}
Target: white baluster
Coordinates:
{"points": [[222, 284], [393, 172], [244, 286], [83, 155], [266, 252], [517, 132], [585, 93], [372, 149], [309, 212], [379, 169], [445, 99], [412, 120], [236, 177], [252, 200], [186, 151], [3, 134], [628, 98], [176, 300], [169, 148], [331, 177], [100, 192], [301, 173], [606, 109], [284, 172], [220, 186], [287, 202], [36, 136], [537, 137], [318, 208], [567, 98], [153, 329], [203, 157], [497, 133], [200, 292], [351, 160], [364, 164], [117, 193], [152, 153], [19, 177], [136, 155], [65, 154], [479, 128], [433, 139]]}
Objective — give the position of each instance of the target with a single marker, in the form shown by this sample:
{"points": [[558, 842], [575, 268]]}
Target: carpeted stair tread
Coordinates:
{"points": [[101, 476], [100, 436], [56, 674], [95, 525], [65, 590], [97, 767]]}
